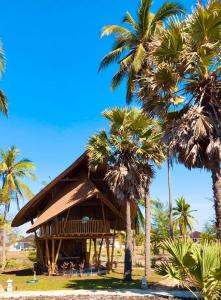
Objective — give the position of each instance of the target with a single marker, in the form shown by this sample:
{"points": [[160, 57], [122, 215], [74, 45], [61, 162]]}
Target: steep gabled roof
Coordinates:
{"points": [[22, 216]]}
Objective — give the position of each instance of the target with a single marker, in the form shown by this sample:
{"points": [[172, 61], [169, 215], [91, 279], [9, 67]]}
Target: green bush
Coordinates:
{"points": [[194, 266], [32, 256]]}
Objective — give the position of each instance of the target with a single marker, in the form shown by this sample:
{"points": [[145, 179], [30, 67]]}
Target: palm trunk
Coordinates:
{"points": [[170, 194], [216, 178], [134, 248], [4, 247], [147, 236], [128, 246]]}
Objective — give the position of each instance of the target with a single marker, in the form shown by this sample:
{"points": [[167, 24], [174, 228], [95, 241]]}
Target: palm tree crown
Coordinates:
{"points": [[13, 171], [3, 100], [132, 41], [125, 151], [183, 217]]}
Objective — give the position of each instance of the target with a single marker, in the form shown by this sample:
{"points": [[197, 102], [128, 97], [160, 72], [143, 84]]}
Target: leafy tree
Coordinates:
{"points": [[194, 266], [184, 84], [183, 217], [132, 41], [209, 232], [13, 172], [126, 153], [159, 224]]}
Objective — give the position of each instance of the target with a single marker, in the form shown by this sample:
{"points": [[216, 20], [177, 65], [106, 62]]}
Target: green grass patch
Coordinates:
{"points": [[113, 280]]}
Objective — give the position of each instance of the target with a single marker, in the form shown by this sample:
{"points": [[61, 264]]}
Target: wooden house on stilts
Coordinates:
{"points": [[71, 213]]}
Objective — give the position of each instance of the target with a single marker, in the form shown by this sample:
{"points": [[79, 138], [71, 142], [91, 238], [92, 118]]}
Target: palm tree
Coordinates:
{"points": [[186, 79], [13, 171], [183, 217], [125, 153], [170, 193], [3, 100], [132, 41]]}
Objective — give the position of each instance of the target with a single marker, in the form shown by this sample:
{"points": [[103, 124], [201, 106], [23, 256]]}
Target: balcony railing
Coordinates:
{"points": [[75, 227]]}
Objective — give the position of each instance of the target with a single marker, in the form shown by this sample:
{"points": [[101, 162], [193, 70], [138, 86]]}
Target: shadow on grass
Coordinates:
{"points": [[23, 272], [101, 283]]}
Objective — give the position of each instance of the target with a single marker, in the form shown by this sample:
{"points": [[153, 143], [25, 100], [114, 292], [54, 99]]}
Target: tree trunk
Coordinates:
{"points": [[170, 194], [134, 248], [147, 236], [128, 246], [216, 178], [4, 246]]}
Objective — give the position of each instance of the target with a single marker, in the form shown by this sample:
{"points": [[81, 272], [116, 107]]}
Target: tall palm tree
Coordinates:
{"points": [[126, 153], [187, 78], [132, 41], [3, 99], [183, 217], [13, 171]]}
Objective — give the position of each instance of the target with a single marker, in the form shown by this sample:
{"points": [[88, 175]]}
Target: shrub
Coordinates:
{"points": [[32, 256], [195, 266]]}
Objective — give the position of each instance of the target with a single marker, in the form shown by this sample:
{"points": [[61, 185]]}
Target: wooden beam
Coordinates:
{"points": [[47, 253], [108, 254], [112, 251], [58, 250], [52, 256], [95, 251], [99, 253]]}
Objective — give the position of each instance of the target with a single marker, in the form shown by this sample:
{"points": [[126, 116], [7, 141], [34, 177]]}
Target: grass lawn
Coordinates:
{"points": [[112, 280]]}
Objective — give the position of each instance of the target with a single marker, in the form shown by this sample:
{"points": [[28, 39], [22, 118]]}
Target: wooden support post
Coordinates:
{"points": [[95, 252], [47, 253], [99, 253], [52, 257], [89, 257], [108, 253], [112, 252], [58, 250]]}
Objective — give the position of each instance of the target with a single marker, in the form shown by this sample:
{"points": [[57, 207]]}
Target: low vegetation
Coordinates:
{"points": [[113, 280], [194, 266]]}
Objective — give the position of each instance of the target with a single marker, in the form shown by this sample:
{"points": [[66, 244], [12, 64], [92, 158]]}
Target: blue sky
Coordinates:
{"points": [[56, 95]]}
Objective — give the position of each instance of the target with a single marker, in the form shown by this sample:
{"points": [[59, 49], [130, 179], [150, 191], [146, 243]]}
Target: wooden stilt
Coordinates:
{"points": [[89, 252], [57, 253], [52, 257], [95, 252], [99, 253], [47, 253], [108, 254], [112, 251]]}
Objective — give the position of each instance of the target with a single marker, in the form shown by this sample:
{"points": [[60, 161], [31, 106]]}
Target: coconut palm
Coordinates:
{"points": [[125, 153], [183, 218], [3, 100], [186, 78], [195, 266], [13, 171], [132, 41]]}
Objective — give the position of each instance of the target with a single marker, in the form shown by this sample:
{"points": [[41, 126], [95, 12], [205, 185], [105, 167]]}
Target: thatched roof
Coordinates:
{"points": [[29, 210], [67, 190]]}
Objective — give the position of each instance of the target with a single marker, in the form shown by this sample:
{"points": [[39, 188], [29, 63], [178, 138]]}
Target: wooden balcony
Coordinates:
{"points": [[75, 228]]}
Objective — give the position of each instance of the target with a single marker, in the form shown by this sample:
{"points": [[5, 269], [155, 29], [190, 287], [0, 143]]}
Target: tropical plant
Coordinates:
{"points": [[13, 171], [126, 153], [132, 41], [183, 218], [184, 84], [3, 100], [159, 225], [194, 266], [209, 232]]}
